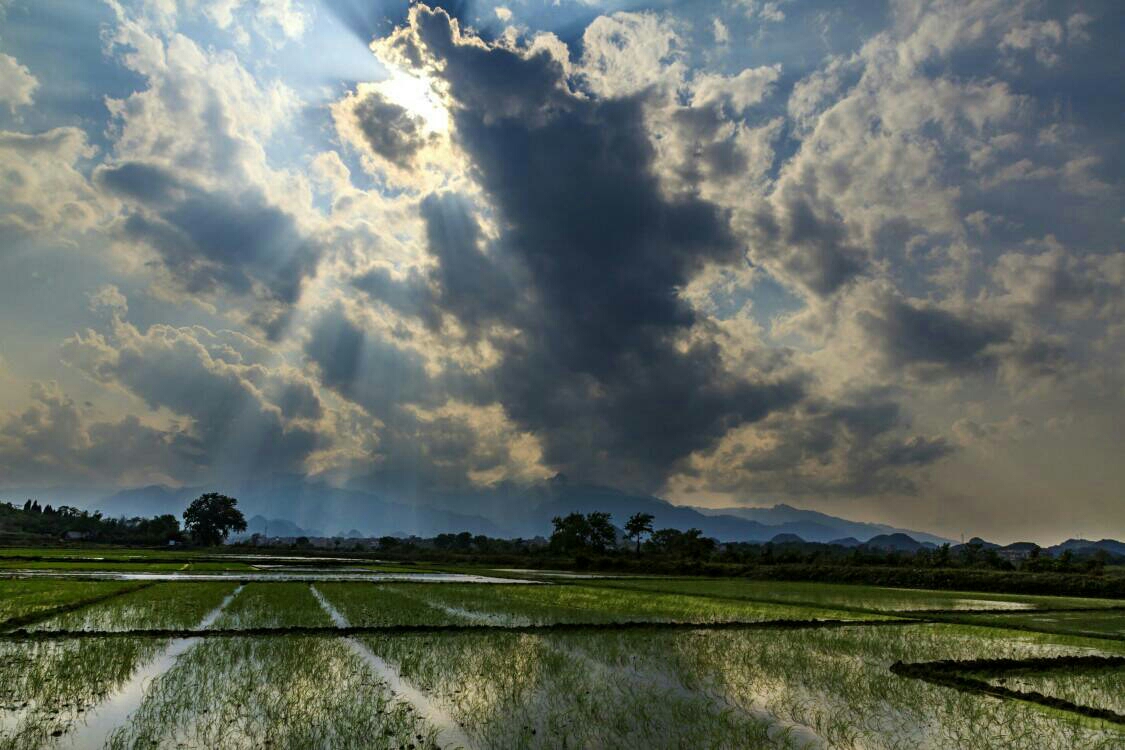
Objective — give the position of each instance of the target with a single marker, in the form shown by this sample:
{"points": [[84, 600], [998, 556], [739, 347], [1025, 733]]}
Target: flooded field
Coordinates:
{"points": [[292, 654]]}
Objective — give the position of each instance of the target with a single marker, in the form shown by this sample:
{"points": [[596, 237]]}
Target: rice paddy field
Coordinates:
{"points": [[298, 653]]}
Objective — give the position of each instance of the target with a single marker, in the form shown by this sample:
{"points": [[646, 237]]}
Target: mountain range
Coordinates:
{"points": [[504, 512]]}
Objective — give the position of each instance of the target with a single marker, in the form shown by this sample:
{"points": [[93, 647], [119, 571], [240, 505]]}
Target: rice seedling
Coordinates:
{"points": [[23, 599], [837, 683], [1098, 688], [371, 604], [273, 605], [47, 686], [523, 691], [849, 596], [596, 687], [533, 605], [1098, 624], [279, 692], [161, 606]]}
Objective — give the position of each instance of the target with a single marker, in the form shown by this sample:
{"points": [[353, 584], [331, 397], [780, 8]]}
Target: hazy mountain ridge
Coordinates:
{"points": [[786, 514], [297, 507], [507, 512]]}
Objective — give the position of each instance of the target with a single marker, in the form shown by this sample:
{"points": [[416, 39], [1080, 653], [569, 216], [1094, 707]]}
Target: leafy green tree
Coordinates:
{"points": [[690, 544], [571, 533], [211, 517], [941, 559], [602, 534], [638, 525]]}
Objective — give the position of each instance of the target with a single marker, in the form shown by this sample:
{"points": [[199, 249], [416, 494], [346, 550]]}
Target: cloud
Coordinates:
{"points": [[598, 369], [388, 129], [242, 413], [54, 440], [626, 53], [17, 84], [848, 447], [42, 189], [926, 336], [210, 240], [432, 430]]}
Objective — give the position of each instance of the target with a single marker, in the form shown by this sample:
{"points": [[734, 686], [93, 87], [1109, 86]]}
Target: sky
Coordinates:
{"points": [[862, 257]]}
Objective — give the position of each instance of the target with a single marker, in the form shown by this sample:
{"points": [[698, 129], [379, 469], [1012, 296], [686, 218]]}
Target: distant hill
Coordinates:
{"points": [[1086, 547], [894, 542], [506, 511], [275, 527], [532, 515], [813, 526], [308, 505], [787, 539]]}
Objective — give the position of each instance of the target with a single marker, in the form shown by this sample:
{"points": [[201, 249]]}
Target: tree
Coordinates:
{"points": [[637, 526], [691, 543], [602, 534], [577, 533], [211, 517], [572, 533]]}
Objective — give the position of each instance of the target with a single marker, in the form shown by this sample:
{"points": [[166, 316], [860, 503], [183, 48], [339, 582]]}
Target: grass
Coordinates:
{"points": [[849, 596], [162, 606], [22, 599]]}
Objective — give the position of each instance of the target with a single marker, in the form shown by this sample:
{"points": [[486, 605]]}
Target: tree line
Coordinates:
{"points": [[208, 521], [589, 540]]}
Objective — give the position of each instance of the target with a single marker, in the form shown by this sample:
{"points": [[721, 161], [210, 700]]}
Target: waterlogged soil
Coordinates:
{"points": [[23, 599], [47, 687], [165, 606], [813, 687], [278, 693], [543, 605], [1098, 688], [1099, 624], [602, 687], [854, 597]]}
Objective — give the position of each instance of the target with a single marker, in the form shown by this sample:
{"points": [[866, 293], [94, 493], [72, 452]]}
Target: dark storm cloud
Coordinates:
{"points": [[912, 335], [809, 244], [854, 447], [213, 239], [596, 371], [389, 129], [51, 438], [230, 416], [469, 284], [412, 452], [464, 282], [367, 368]]}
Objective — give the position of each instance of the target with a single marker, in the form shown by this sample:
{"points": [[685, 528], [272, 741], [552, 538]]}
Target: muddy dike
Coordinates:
{"points": [[956, 674], [358, 630]]}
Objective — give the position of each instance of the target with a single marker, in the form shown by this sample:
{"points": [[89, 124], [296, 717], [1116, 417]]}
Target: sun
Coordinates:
{"points": [[417, 96]]}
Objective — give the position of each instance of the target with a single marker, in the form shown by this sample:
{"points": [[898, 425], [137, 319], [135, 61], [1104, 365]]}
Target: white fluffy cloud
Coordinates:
{"points": [[17, 84], [42, 189]]}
